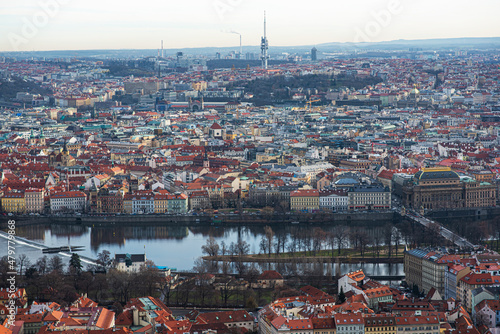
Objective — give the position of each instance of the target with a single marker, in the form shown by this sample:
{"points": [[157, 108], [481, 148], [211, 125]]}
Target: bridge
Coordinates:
{"points": [[444, 232]]}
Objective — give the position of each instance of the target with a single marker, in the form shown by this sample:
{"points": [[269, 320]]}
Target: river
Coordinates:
{"points": [[166, 245]]}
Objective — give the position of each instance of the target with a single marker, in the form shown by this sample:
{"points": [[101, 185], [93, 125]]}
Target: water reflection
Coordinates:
{"points": [[179, 246]]}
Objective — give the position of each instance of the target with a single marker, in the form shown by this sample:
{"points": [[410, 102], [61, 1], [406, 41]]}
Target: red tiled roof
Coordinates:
{"points": [[270, 274]]}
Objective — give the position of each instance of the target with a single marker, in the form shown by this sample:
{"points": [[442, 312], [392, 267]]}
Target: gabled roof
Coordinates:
{"points": [[216, 126], [270, 274]]}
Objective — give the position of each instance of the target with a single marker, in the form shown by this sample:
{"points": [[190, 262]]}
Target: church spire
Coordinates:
{"points": [[65, 149]]}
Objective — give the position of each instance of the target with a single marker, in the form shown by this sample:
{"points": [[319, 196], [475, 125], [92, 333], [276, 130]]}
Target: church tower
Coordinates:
{"points": [[41, 139], [206, 161], [32, 140]]}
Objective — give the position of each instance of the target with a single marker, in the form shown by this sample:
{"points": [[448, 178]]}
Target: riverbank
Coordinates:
{"points": [[227, 219], [304, 259]]}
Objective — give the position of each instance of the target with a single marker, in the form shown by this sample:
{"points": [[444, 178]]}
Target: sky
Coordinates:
{"points": [[27, 25]]}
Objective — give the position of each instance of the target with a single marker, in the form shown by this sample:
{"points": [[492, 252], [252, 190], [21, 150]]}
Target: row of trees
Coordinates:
{"points": [[337, 240], [43, 265], [50, 279], [314, 241]]}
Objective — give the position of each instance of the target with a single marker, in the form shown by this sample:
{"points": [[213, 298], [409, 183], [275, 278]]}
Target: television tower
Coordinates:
{"points": [[264, 46]]}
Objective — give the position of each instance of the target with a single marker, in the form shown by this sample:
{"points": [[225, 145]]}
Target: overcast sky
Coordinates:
{"points": [[142, 24]]}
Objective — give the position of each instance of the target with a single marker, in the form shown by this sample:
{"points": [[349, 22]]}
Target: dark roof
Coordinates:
{"points": [[133, 257], [432, 175], [369, 189]]}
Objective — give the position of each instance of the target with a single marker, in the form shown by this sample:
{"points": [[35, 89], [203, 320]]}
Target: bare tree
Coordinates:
{"points": [[147, 280], [225, 265], [396, 237], [280, 245], [225, 290], [165, 286], [242, 248], [121, 284], [104, 260], [42, 264], [433, 234], [267, 212], [293, 244], [269, 235], [353, 238], [306, 241], [388, 232], [330, 239], [24, 262], [55, 263], [319, 237], [101, 286], [341, 234], [377, 241], [202, 286], [363, 240], [211, 248], [263, 245]]}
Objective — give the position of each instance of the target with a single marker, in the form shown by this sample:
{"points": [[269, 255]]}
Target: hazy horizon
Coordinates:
{"points": [[51, 25], [244, 46]]}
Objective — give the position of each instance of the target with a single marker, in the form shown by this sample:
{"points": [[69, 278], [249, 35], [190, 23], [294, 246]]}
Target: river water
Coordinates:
{"points": [[172, 246]]}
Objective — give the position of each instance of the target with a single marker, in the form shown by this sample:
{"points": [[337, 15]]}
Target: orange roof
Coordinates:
{"points": [[105, 319], [305, 193], [4, 330], [53, 316], [357, 275]]}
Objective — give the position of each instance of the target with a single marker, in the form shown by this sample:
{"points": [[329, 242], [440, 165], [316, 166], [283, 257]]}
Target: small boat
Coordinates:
{"points": [[295, 222]]}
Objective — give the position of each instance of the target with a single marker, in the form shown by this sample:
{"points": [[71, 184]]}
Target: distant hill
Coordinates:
{"points": [[434, 44], [396, 45], [10, 87]]}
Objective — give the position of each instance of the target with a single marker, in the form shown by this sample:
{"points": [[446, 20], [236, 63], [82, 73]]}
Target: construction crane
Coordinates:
{"points": [[309, 103]]}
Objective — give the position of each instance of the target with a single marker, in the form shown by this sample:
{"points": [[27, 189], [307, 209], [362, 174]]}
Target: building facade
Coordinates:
{"points": [[14, 202], [68, 201], [442, 188], [34, 199], [178, 203], [369, 198], [304, 200]]}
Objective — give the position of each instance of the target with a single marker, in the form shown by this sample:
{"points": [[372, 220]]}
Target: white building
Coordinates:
{"points": [[333, 202], [351, 281], [143, 204], [68, 201], [369, 198], [130, 263], [349, 323]]}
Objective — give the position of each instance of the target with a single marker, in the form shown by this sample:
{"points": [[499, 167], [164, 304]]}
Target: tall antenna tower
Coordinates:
{"points": [[241, 49], [264, 46]]}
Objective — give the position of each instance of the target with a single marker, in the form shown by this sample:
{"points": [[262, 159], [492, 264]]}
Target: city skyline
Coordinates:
{"points": [[67, 25]]}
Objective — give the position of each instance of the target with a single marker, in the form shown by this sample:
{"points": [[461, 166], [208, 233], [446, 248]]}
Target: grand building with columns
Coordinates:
{"points": [[442, 188]]}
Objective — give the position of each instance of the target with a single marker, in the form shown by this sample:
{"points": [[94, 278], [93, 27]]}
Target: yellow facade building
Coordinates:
{"points": [[304, 200], [14, 202]]}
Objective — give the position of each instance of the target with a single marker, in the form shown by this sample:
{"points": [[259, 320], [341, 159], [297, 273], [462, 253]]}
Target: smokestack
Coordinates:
{"points": [[241, 48], [162, 48]]}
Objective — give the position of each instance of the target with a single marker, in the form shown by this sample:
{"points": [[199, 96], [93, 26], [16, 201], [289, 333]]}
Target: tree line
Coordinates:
{"points": [[49, 279]]}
